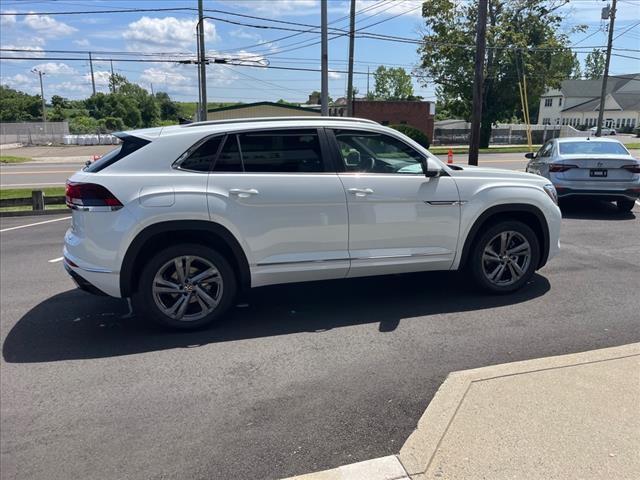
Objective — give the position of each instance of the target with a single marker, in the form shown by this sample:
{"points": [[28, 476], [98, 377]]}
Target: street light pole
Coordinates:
{"points": [[324, 57]]}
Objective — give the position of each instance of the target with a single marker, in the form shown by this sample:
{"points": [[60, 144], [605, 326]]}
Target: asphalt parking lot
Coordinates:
{"points": [[305, 377]]}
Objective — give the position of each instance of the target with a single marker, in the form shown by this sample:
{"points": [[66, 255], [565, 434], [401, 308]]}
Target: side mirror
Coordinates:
{"points": [[530, 155], [429, 169]]}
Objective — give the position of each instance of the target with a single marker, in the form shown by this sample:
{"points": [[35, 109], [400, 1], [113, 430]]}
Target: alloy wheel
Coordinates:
{"points": [[506, 258], [187, 288]]}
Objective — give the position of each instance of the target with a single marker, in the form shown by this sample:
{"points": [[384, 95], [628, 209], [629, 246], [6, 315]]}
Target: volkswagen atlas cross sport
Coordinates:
{"points": [[589, 167], [180, 219]]}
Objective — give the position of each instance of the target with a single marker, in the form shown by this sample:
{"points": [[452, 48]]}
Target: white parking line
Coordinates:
{"points": [[11, 185], [54, 260], [34, 224]]}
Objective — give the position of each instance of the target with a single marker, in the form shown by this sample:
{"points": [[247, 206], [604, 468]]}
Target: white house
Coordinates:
{"points": [[577, 102]]}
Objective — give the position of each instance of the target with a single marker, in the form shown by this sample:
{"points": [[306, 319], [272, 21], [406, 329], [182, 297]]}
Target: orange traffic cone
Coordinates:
{"points": [[450, 156]]}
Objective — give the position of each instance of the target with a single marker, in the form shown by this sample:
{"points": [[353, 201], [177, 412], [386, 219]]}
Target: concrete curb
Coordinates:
{"points": [[418, 451], [422, 444]]}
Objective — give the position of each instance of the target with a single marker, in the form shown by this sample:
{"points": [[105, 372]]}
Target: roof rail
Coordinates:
{"points": [[275, 119]]}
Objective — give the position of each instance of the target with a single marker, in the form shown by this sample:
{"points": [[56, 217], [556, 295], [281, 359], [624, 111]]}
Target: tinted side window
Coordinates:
{"points": [[281, 151], [229, 158], [201, 159], [129, 145], [372, 152]]}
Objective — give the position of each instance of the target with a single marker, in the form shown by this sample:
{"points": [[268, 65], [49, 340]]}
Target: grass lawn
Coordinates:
{"points": [[632, 146], [25, 208], [12, 159], [6, 193], [505, 149]]}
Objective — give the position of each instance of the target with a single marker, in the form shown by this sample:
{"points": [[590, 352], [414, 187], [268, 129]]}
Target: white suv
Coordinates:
{"points": [[180, 219]]}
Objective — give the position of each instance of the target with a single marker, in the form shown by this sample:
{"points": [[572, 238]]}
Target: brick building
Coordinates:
{"points": [[417, 114]]}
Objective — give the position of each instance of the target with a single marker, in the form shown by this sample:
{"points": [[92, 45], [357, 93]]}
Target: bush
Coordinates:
{"points": [[81, 125], [638, 132], [111, 124], [414, 134]]}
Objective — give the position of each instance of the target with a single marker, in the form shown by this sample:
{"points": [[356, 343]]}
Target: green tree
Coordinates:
{"points": [[576, 71], [594, 64], [80, 125], [17, 106], [168, 108], [523, 36], [392, 84]]}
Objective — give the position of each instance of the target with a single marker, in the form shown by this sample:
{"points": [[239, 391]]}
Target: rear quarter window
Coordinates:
{"points": [[129, 145]]}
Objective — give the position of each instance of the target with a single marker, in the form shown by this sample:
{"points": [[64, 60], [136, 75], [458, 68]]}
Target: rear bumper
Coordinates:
{"points": [[603, 194], [82, 283]]}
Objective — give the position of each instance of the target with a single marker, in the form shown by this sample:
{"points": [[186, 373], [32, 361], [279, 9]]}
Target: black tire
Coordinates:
{"points": [[625, 206], [477, 264], [145, 301]]}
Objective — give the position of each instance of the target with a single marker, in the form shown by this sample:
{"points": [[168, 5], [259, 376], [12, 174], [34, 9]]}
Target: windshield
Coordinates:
{"points": [[589, 147]]}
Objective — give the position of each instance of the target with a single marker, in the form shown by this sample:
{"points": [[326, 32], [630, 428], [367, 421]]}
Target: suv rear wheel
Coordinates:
{"points": [[186, 287], [505, 256]]}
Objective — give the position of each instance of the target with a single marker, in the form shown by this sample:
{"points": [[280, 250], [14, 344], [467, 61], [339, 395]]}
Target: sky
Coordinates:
{"points": [[136, 35]]}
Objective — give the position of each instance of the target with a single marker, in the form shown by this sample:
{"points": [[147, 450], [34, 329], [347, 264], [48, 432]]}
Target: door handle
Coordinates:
{"points": [[360, 192], [243, 192]]}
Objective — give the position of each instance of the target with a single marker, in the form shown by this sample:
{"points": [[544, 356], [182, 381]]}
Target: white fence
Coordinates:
{"points": [[502, 134], [103, 139]]}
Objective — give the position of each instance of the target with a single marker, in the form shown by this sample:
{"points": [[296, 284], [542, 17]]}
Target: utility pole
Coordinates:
{"points": [[93, 79], [367, 81], [44, 104], [324, 57], [603, 92], [478, 80], [201, 64], [113, 79], [352, 26]]}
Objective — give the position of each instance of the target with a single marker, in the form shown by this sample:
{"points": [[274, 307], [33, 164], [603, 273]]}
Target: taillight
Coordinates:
{"points": [[560, 167], [633, 168], [86, 195]]}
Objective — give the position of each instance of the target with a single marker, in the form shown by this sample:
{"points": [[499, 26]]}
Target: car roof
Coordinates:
{"points": [[587, 139], [231, 125]]}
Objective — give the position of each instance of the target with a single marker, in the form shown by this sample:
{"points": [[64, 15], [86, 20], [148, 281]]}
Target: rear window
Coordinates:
{"points": [[129, 145], [592, 148]]}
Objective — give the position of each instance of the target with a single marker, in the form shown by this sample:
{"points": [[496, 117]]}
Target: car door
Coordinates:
{"points": [[399, 219], [537, 164], [275, 191]]}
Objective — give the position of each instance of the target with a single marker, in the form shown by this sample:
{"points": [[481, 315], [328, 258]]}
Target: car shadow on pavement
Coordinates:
{"points": [[76, 325], [593, 209]]}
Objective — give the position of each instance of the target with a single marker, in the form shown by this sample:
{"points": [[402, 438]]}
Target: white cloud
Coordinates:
{"points": [[406, 8], [281, 7], [55, 68], [24, 83], [48, 26], [334, 75], [34, 51], [164, 76], [241, 57], [7, 20], [168, 33], [101, 77], [83, 42]]}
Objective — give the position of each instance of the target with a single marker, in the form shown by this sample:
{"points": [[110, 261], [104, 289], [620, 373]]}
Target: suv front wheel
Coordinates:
{"points": [[186, 287], [505, 256]]}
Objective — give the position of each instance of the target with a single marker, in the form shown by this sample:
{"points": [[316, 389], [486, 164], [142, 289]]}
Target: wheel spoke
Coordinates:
{"points": [[179, 269], [176, 306], [187, 267], [183, 306], [206, 275], [490, 255], [206, 298], [504, 241], [521, 249], [166, 283], [496, 275], [519, 271], [175, 290]]}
